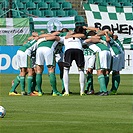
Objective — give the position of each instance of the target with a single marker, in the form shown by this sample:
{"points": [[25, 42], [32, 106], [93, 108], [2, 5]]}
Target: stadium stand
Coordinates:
{"points": [[54, 8]]}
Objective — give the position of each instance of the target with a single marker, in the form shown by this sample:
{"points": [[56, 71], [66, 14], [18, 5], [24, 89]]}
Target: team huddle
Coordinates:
{"points": [[90, 47]]}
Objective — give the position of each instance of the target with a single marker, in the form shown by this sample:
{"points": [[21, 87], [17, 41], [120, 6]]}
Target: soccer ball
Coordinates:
{"points": [[2, 112]]}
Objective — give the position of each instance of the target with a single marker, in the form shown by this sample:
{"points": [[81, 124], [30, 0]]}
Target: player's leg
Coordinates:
{"points": [[39, 78], [23, 72], [15, 83], [89, 66], [81, 80], [115, 82], [66, 80]]}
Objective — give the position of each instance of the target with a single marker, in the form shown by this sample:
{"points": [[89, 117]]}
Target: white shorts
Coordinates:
{"points": [[89, 61], [22, 59], [103, 60], [44, 55]]}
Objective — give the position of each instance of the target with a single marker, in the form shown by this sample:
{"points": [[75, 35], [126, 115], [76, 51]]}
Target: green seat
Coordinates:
{"points": [[54, 6], [60, 13], [127, 4], [103, 4], [60, 1], [72, 12], [79, 19], [37, 13], [16, 14], [48, 13], [90, 1], [123, 1], [97, 1], [43, 6], [1, 1], [19, 5], [66, 5], [115, 4], [30, 6], [36, 1], [25, 1], [5, 5], [110, 1], [48, 1]]}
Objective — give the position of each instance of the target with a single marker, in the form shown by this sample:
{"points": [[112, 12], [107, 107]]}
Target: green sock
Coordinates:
{"points": [[107, 80], [39, 82], [89, 81], [16, 83], [62, 84], [22, 83], [33, 88], [29, 83], [53, 81], [115, 82], [91, 86], [101, 80]]}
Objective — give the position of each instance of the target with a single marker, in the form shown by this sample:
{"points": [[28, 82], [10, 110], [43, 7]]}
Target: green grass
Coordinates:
{"points": [[73, 114]]}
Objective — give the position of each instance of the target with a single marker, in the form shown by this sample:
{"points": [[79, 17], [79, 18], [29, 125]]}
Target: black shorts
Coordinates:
{"points": [[74, 54]]}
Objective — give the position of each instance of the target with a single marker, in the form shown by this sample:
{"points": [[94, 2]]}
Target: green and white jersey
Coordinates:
{"points": [[115, 50], [88, 51], [50, 43], [97, 47], [29, 47], [118, 42]]}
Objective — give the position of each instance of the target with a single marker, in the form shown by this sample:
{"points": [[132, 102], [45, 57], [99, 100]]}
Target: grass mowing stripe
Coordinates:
{"points": [[73, 114]]}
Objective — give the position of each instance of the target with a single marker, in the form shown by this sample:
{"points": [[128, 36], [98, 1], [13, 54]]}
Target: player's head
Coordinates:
{"points": [[79, 29], [91, 33], [64, 30]]}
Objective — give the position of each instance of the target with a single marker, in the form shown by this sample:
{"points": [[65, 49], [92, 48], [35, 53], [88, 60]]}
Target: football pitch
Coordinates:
{"points": [[73, 114]]}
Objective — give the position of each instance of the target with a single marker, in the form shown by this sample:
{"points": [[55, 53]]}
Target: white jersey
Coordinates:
{"points": [[72, 43]]}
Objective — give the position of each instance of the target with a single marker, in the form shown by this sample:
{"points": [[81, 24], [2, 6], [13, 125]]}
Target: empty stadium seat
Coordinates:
{"points": [[54, 6], [90, 1], [110, 1], [60, 13], [127, 4], [16, 14], [97, 1], [79, 19], [115, 4], [43, 6], [30, 6], [48, 1], [72, 12], [5, 5], [19, 5], [66, 5], [123, 1], [36, 1], [25, 1], [37, 13], [48, 13]]}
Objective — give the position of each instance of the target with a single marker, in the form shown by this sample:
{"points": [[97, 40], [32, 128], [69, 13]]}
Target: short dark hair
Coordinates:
{"points": [[79, 29], [91, 33]]}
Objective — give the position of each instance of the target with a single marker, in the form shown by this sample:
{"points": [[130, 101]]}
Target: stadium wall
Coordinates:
{"points": [[8, 62]]}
